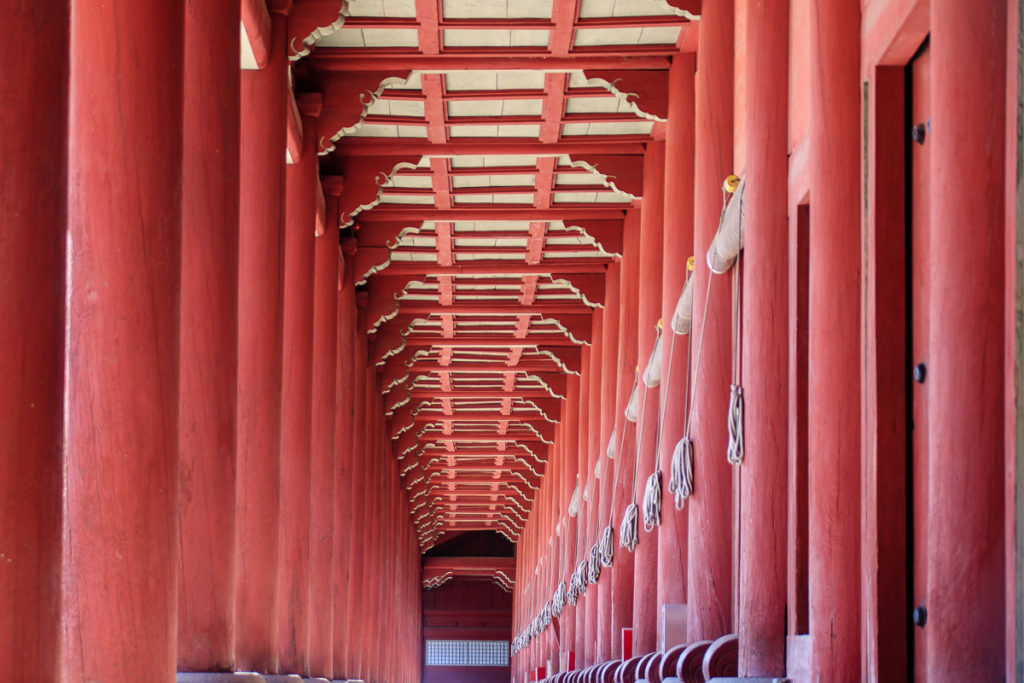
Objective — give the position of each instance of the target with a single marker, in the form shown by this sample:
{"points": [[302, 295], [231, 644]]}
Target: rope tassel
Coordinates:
{"points": [[735, 452], [652, 502], [628, 532], [681, 480], [607, 546], [594, 569]]}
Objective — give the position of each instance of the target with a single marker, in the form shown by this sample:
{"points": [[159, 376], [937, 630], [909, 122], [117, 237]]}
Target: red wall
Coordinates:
{"points": [[465, 609]]}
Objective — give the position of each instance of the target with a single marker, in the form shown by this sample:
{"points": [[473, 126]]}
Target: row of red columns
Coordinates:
{"points": [[695, 560], [183, 368]]}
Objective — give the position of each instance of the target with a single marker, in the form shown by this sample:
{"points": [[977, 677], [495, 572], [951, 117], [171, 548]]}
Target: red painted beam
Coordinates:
{"points": [[487, 341], [481, 394], [542, 309], [631, 145], [477, 417], [498, 366], [471, 212], [343, 59], [506, 564], [592, 266]]}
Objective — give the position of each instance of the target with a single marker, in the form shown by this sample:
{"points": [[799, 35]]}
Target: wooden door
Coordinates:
{"points": [[919, 76]]}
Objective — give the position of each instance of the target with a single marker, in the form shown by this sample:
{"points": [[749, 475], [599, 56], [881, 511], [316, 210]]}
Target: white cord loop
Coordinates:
{"points": [[681, 480], [607, 546], [652, 502], [628, 532], [594, 568], [735, 452]]}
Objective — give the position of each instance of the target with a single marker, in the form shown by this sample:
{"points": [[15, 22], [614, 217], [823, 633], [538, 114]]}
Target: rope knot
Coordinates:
{"points": [[652, 502]]}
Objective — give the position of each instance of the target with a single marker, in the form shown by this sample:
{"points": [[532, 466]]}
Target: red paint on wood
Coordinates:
{"points": [[645, 557], [32, 253], [709, 559], [259, 358], [678, 246], [209, 339], [762, 571], [964, 385], [296, 405], [834, 359], [325, 554], [621, 470], [121, 469]]}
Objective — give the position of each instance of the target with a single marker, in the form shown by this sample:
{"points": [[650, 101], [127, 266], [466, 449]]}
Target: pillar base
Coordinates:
{"points": [[283, 678]]}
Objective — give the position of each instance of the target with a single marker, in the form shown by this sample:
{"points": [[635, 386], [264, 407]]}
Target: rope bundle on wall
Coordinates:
{"points": [[652, 502], [594, 567], [607, 552], [681, 479], [628, 532]]}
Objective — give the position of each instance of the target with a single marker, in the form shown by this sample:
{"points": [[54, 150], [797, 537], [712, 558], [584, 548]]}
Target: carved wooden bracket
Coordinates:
{"points": [[626, 172], [648, 90], [310, 20], [347, 97]]}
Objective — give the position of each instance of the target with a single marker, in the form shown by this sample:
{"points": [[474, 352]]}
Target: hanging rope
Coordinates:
{"points": [[734, 452], [594, 569], [652, 502], [628, 534], [607, 546], [681, 482]]}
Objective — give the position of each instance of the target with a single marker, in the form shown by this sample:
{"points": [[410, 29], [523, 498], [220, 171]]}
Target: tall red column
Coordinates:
{"points": [[677, 244], [324, 554], [259, 357], [762, 583], [622, 469], [345, 587], [209, 339], [602, 490], [297, 397], [121, 443], [33, 203], [645, 557], [587, 456], [709, 541], [964, 381], [834, 359]]}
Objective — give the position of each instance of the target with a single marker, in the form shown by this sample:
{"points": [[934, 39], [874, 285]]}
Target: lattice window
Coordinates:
{"points": [[467, 653]]}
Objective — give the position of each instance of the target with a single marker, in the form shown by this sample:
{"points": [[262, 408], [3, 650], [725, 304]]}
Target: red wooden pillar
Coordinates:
{"points": [[677, 240], [964, 381], [344, 473], [589, 451], [709, 541], [834, 359], [622, 469], [324, 558], [259, 357], [762, 583], [575, 398], [124, 236], [34, 208], [602, 490], [297, 397], [209, 339], [645, 557], [355, 463]]}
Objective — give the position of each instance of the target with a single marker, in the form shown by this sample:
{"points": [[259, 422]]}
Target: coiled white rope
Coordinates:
{"points": [[735, 451], [607, 546], [628, 532], [594, 568], [735, 416], [681, 480], [652, 502]]}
